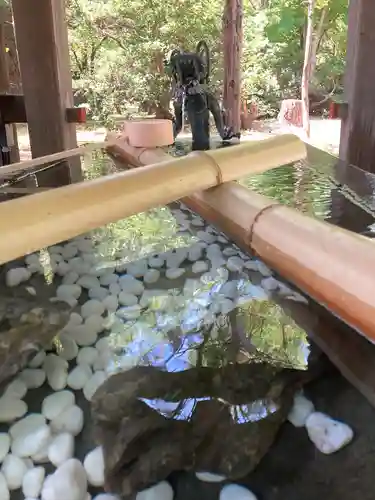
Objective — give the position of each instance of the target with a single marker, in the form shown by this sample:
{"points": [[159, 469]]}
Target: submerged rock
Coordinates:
{"points": [[26, 327], [221, 420]]}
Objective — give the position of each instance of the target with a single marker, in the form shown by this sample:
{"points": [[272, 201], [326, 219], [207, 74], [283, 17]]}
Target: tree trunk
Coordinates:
{"points": [[307, 69], [232, 42], [317, 37]]}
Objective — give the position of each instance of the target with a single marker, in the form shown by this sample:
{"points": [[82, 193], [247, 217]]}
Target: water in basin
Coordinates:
{"points": [[179, 340]]}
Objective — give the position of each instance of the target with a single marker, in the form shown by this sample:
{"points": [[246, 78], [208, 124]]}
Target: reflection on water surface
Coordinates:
{"points": [[191, 352]]}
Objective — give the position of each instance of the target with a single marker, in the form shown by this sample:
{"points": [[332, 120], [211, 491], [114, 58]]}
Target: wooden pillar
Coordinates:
{"points": [[232, 45], [357, 144], [42, 43]]}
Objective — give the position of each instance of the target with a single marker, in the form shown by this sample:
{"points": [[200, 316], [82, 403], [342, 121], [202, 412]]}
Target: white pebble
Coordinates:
{"points": [[61, 449], [93, 384], [111, 303], [156, 262], [69, 477], [152, 276], [161, 491], [235, 264], [236, 492], [108, 279], [137, 269], [4, 491], [229, 251], [131, 312], [27, 445], [200, 266], [17, 275], [88, 282], [68, 348], [69, 250], [87, 356], [70, 420], [11, 409], [56, 369], [68, 291], [33, 377], [94, 467], [4, 445], [32, 482], [70, 278], [301, 409], [38, 360], [14, 469], [91, 307], [41, 457], [95, 323], [103, 345], [131, 285], [226, 306], [198, 222], [263, 269], [52, 361], [17, 389], [79, 377], [56, 403], [206, 236], [27, 425], [114, 288], [175, 273], [195, 253], [127, 299], [98, 293], [84, 335], [208, 477], [327, 434], [270, 284], [106, 496], [75, 319]]}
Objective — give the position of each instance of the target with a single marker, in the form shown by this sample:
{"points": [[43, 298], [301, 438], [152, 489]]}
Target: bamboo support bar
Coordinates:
{"points": [[42, 160], [30, 223]]}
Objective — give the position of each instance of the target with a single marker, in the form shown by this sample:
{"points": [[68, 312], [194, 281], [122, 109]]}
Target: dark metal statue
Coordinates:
{"points": [[191, 95]]}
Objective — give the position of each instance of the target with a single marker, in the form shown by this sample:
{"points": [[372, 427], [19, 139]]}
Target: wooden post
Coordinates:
{"points": [[43, 50], [357, 145], [232, 44]]}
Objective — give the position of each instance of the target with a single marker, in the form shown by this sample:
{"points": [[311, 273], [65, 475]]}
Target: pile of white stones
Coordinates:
{"points": [[327, 434], [104, 296]]}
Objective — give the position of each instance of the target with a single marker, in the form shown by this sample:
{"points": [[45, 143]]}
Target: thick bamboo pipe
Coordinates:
{"points": [[332, 265], [30, 223]]}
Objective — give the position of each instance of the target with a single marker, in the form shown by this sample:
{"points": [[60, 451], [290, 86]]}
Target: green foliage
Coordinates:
{"points": [[118, 49]]}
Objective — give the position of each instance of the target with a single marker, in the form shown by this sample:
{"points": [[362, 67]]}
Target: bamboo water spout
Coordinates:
{"points": [[330, 264], [30, 223]]}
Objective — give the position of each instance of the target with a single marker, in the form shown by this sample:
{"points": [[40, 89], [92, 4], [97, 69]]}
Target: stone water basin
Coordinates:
{"points": [[187, 332]]}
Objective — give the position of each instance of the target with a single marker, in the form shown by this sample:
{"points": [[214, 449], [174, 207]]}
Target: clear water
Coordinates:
{"points": [[231, 314]]}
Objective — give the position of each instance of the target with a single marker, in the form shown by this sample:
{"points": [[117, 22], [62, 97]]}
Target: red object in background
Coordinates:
{"points": [[333, 111], [81, 115]]}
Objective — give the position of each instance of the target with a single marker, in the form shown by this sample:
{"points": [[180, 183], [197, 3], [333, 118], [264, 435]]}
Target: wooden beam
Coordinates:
{"points": [[357, 144], [352, 354], [43, 50], [232, 45], [13, 110]]}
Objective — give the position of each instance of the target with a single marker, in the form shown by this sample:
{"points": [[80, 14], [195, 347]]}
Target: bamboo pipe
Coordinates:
{"points": [[30, 223], [316, 256]]}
